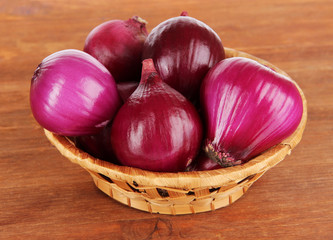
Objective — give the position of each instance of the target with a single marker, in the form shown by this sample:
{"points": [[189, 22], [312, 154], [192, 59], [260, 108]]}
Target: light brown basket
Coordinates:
{"points": [[183, 192]]}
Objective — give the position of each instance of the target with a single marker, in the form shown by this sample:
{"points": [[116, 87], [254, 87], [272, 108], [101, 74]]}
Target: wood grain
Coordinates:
{"points": [[44, 196]]}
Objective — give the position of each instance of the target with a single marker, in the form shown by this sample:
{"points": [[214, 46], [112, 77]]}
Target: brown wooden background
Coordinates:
{"points": [[44, 196]]}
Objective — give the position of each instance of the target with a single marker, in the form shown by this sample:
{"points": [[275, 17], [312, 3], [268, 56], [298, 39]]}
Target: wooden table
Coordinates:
{"points": [[44, 196]]}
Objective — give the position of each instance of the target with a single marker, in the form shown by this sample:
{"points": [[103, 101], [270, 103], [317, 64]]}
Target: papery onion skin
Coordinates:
{"points": [[183, 49], [157, 129], [73, 94], [248, 108], [118, 45]]}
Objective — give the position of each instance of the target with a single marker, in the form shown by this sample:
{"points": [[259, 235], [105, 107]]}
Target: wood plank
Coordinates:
{"points": [[45, 196]]}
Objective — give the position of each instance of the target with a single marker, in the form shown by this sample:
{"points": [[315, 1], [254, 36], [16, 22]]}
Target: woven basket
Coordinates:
{"points": [[183, 192]]}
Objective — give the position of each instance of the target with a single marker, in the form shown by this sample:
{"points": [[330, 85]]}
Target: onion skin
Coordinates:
{"points": [[203, 163], [118, 45], [73, 94], [125, 89], [97, 145], [183, 49], [157, 128], [248, 108]]}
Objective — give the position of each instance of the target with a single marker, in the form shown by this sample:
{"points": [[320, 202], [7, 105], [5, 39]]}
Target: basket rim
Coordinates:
{"points": [[188, 180]]}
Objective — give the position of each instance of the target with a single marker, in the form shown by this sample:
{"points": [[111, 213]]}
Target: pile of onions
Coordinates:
{"points": [[192, 110]]}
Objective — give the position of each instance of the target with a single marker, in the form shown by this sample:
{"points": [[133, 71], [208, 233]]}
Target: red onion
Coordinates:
{"points": [[202, 163], [73, 94], [183, 49], [97, 145], [125, 89], [157, 128], [118, 45], [248, 108]]}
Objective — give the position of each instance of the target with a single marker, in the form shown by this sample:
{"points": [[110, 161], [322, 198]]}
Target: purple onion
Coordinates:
{"points": [[248, 108], [203, 163], [125, 89], [183, 49], [73, 94], [157, 128], [118, 45], [97, 145]]}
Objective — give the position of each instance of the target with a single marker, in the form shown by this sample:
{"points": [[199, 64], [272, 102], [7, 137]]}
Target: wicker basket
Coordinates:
{"points": [[183, 192]]}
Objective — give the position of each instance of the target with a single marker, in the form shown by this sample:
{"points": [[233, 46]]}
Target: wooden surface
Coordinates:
{"points": [[44, 196]]}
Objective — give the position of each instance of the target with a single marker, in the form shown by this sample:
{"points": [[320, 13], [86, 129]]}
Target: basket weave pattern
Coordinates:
{"points": [[184, 192], [172, 200]]}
